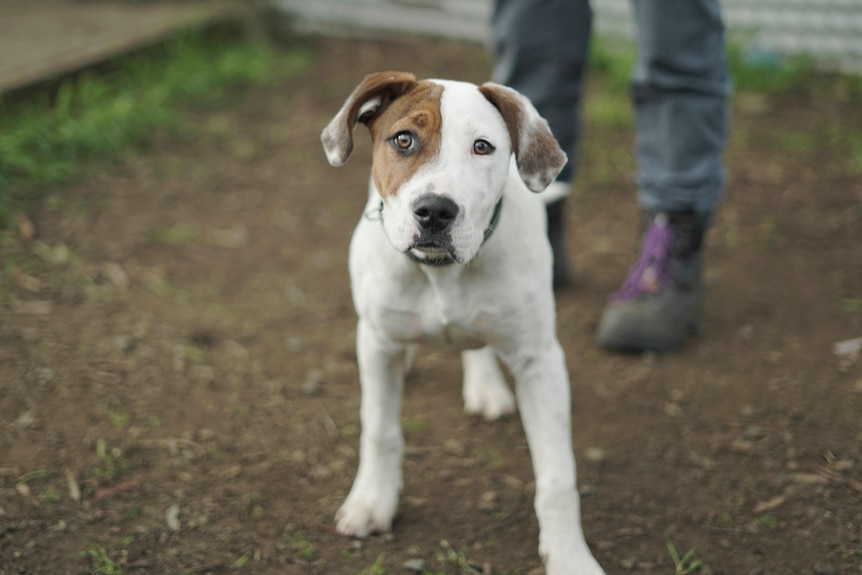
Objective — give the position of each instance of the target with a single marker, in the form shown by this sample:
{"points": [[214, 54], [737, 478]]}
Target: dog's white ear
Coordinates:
{"points": [[368, 99], [537, 153]]}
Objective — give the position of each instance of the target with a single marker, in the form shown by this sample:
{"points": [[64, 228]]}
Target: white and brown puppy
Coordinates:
{"points": [[452, 251]]}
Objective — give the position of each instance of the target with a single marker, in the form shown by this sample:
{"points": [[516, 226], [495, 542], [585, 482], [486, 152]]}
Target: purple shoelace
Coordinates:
{"points": [[650, 273]]}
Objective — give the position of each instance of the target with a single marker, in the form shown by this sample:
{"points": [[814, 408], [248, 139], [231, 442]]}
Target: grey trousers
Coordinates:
{"points": [[680, 88]]}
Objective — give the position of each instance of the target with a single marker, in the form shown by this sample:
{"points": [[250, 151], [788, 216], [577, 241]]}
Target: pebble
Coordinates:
{"points": [[172, 517], [115, 274], [230, 238], [414, 565], [488, 502], [312, 382], [34, 307], [588, 491], [595, 454]]}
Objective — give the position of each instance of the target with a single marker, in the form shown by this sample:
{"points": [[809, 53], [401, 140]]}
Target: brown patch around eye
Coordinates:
{"points": [[412, 124]]}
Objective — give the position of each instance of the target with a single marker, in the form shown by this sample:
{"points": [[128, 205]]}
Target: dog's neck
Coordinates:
{"points": [[447, 259]]}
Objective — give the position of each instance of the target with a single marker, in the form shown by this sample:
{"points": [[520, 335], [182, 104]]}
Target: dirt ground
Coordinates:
{"points": [[178, 383]]}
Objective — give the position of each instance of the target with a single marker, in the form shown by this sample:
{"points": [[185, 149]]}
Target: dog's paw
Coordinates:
{"points": [[565, 553], [361, 517], [490, 401], [573, 564], [485, 390]]}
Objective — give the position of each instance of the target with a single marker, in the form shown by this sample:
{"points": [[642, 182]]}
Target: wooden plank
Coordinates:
{"points": [[45, 39]]}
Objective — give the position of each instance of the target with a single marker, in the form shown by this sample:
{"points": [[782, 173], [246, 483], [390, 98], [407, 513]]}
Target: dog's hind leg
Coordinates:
{"points": [[486, 392]]}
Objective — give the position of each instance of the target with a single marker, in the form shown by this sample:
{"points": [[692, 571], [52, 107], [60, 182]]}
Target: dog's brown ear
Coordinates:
{"points": [[537, 153], [368, 99]]}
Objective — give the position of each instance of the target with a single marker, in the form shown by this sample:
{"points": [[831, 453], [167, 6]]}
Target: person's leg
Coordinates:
{"points": [[540, 49], [680, 90]]}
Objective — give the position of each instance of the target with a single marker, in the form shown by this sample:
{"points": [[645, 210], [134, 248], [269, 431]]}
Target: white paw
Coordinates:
{"points": [[490, 401], [581, 565], [486, 392], [361, 516], [568, 555]]}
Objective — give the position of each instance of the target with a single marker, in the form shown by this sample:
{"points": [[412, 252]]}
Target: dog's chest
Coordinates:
{"points": [[430, 318]]}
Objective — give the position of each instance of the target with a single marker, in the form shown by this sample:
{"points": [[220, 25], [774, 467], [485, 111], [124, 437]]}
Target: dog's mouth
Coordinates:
{"points": [[433, 248]]}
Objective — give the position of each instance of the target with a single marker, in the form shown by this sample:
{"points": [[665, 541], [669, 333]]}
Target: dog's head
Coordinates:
{"points": [[441, 156]]}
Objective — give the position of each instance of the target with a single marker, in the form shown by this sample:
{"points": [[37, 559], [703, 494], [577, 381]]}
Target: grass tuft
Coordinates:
{"points": [[375, 568], [686, 564], [53, 136], [101, 563]]}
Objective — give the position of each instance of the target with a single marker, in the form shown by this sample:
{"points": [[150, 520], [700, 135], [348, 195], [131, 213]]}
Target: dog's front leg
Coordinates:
{"points": [[542, 389], [373, 499]]}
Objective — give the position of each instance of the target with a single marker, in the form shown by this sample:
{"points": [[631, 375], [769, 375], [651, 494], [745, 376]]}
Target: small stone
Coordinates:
{"points": [[312, 382], [414, 565], [488, 502], [25, 281], [172, 517], [123, 343], [595, 454], [588, 491], [115, 274], [672, 409], [26, 227], [25, 420], [44, 375], [230, 238], [749, 412], [35, 307]]}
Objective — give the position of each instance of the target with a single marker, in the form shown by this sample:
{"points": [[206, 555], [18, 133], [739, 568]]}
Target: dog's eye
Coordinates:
{"points": [[403, 141], [482, 148]]}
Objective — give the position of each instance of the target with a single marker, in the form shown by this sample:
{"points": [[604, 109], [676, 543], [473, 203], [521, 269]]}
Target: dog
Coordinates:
{"points": [[452, 251]]}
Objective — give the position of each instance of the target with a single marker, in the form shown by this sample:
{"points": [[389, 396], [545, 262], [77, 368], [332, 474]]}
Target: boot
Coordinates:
{"points": [[661, 301], [556, 235]]}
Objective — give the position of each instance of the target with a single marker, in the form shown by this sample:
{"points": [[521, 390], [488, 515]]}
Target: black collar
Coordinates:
{"points": [[447, 259]]}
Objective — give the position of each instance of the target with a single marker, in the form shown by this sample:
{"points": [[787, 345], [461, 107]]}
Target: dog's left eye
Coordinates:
{"points": [[482, 148]]}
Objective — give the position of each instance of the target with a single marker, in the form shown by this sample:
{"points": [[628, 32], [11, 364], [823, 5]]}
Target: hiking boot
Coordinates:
{"points": [[556, 235], [661, 300]]}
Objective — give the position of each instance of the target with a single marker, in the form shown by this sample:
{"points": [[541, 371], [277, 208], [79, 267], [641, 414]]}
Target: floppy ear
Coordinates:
{"points": [[537, 153], [368, 99]]}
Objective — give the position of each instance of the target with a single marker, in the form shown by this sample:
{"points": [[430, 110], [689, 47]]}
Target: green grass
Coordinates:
{"points": [[100, 562], [52, 136], [447, 555], [304, 548], [111, 463], [375, 568], [687, 563]]}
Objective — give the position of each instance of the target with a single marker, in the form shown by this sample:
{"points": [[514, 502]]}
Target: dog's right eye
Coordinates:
{"points": [[403, 141]]}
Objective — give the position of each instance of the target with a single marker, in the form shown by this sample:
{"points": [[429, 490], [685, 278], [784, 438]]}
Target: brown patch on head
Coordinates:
{"points": [[537, 152], [417, 113], [370, 97]]}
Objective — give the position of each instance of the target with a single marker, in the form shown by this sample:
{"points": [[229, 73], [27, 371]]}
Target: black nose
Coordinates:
{"points": [[433, 212]]}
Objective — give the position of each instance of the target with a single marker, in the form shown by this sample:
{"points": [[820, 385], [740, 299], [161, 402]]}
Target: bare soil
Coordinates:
{"points": [[178, 383]]}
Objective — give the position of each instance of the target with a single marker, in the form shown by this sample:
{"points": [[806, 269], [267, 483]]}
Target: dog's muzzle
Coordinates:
{"points": [[435, 216]]}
